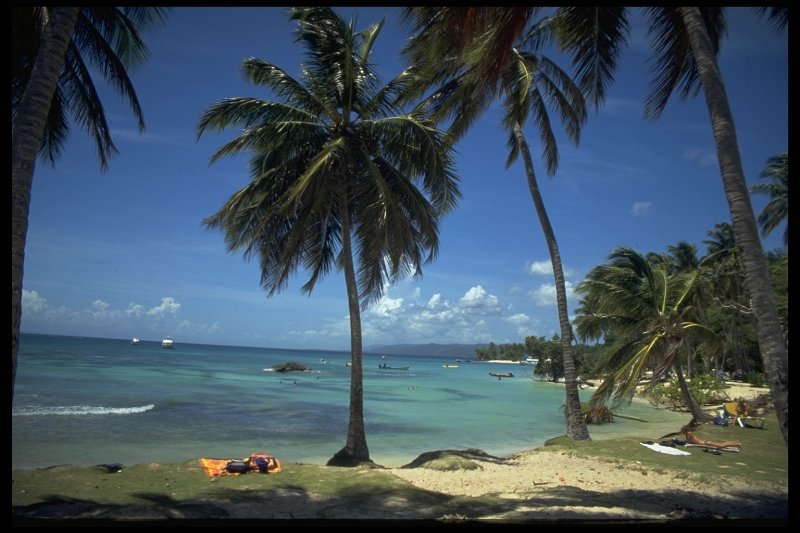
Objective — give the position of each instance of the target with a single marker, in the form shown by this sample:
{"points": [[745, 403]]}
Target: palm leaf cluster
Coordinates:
{"points": [[332, 145], [647, 312], [106, 40], [777, 188]]}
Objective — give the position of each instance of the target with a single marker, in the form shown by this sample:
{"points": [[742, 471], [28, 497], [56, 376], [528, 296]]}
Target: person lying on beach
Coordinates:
{"points": [[691, 438]]}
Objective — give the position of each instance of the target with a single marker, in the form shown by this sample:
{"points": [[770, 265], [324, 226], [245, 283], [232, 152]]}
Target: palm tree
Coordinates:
{"points": [[777, 209], [683, 258], [650, 314], [686, 42], [774, 351], [725, 271], [532, 82], [335, 170], [529, 84], [50, 78]]}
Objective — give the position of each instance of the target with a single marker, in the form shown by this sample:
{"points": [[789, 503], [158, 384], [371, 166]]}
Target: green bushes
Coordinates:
{"points": [[705, 389]]}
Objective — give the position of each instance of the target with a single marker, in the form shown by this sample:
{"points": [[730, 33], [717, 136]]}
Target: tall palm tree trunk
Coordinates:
{"points": [[576, 426], [355, 450], [774, 352], [26, 138]]}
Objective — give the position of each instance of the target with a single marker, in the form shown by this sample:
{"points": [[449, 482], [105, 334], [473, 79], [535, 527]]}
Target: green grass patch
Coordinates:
{"points": [[764, 457]]}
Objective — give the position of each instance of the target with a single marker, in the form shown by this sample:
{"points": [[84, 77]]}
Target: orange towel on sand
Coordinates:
{"points": [[216, 467]]}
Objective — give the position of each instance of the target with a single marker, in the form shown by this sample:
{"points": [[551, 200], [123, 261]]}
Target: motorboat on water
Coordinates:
{"points": [[499, 375], [449, 366], [529, 361], [384, 366], [167, 342], [135, 340]]}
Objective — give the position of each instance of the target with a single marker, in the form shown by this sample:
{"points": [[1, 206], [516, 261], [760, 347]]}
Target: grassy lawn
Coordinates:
{"points": [[764, 456]]}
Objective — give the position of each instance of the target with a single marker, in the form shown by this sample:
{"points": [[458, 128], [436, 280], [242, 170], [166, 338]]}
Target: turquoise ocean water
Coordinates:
{"points": [[89, 401]]}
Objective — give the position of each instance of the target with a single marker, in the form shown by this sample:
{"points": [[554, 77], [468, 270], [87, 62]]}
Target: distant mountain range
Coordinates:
{"points": [[466, 351]]}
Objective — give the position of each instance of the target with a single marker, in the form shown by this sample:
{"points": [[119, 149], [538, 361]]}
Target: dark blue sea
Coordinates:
{"points": [[87, 401]]}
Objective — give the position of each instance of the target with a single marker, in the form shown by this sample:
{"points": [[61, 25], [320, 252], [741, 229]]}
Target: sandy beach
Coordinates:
{"points": [[539, 480], [552, 484]]}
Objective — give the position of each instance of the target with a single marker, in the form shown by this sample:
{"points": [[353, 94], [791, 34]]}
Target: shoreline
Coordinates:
{"points": [[559, 482], [606, 431]]}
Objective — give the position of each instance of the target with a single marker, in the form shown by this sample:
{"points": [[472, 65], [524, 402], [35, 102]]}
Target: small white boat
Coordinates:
{"points": [[135, 340], [167, 342], [529, 361]]}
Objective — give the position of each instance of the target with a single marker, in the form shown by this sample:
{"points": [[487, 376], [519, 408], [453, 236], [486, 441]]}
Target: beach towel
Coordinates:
{"points": [[216, 467], [669, 450]]}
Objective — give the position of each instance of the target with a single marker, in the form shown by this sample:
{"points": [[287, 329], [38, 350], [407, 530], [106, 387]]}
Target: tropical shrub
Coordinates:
{"points": [[705, 389], [756, 379]]}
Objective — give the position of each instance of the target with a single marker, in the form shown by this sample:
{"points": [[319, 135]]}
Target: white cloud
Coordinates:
{"points": [[545, 268], [518, 318], [386, 306], [32, 302], [101, 318], [545, 294], [434, 301], [416, 293], [478, 297], [135, 310], [541, 268], [640, 209], [168, 306]]}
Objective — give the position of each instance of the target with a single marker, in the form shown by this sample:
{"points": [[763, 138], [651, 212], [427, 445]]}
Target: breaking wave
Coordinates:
{"points": [[34, 410]]}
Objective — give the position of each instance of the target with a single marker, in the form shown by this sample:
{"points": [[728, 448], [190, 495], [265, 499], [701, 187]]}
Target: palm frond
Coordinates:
{"points": [[595, 37], [674, 62]]}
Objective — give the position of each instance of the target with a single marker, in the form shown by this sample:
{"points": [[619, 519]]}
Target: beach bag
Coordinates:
{"points": [[237, 466], [720, 421]]}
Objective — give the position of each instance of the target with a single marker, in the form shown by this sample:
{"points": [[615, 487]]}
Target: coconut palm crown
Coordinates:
{"points": [[651, 314]]}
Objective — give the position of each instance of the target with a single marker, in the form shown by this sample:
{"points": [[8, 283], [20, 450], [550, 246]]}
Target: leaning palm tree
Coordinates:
{"points": [[774, 351], [686, 41], [337, 176], [53, 49], [777, 209], [650, 314], [530, 86]]}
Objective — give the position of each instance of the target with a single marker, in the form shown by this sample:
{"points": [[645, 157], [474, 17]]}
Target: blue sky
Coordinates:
{"points": [[124, 253]]}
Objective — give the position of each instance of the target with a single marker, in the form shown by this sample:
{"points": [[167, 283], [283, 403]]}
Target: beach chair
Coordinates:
{"points": [[730, 410]]}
